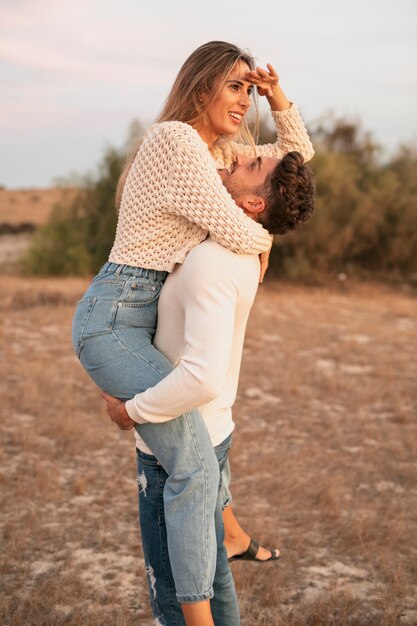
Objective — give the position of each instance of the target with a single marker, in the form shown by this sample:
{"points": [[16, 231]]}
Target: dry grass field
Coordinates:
{"points": [[324, 465], [18, 206]]}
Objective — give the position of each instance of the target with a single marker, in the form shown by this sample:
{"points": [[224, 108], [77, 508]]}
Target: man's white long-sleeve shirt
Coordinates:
{"points": [[202, 315]]}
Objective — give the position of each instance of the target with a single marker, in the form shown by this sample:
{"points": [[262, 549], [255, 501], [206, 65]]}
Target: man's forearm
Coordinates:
{"points": [[185, 389]]}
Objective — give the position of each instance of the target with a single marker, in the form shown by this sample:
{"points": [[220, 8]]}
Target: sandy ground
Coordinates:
{"points": [[324, 464]]}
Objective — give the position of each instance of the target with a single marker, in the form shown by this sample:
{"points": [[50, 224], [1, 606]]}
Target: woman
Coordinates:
{"points": [[170, 198]]}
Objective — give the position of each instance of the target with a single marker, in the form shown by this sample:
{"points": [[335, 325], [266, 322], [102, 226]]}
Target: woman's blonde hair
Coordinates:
{"points": [[204, 72]]}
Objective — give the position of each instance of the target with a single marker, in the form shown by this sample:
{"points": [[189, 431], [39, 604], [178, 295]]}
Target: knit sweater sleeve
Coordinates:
{"points": [[196, 192], [291, 135]]}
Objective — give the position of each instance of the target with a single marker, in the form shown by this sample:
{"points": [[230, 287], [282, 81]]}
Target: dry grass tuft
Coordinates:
{"points": [[324, 464]]}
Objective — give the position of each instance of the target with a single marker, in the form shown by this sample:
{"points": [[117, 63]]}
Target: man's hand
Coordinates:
{"points": [[116, 410]]}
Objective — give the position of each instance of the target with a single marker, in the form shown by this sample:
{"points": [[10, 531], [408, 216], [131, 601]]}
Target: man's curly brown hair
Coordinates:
{"points": [[289, 195]]}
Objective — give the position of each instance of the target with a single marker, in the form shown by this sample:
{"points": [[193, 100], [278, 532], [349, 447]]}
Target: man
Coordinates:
{"points": [[202, 316]]}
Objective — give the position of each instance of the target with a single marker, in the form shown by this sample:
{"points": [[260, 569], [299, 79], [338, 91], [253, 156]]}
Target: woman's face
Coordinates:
{"points": [[226, 112]]}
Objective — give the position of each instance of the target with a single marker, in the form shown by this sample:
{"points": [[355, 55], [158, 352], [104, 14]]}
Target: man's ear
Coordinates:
{"points": [[253, 204]]}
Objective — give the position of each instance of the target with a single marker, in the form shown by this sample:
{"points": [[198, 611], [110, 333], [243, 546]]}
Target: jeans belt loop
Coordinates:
{"points": [[119, 270]]}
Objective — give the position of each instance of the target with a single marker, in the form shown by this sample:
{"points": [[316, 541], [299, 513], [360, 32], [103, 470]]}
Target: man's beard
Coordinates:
{"points": [[233, 189]]}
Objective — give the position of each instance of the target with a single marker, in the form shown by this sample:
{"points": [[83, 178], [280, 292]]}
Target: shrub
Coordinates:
{"points": [[365, 211], [79, 234]]}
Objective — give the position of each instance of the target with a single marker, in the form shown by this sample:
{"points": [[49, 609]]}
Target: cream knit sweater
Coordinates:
{"points": [[173, 196]]}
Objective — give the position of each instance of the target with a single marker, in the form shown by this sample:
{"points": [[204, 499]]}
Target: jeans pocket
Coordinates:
{"points": [[146, 459], [140, 292], [222, 451], [81, 316], [106, 291], [138, 304]]}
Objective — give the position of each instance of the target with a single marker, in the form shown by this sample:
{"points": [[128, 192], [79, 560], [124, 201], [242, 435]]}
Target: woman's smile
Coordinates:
{"points": [[236, 116]]}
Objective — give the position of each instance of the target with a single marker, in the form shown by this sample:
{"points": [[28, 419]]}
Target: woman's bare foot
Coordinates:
{"points": [[236, 540]]}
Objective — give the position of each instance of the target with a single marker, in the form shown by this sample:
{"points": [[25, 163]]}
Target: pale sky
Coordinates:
{"points": [[74, 74]]}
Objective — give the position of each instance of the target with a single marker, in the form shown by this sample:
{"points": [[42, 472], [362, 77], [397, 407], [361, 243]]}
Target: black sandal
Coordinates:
{"points": [[251, 552]]}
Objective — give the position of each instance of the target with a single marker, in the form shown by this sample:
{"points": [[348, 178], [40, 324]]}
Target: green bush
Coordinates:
{"points": [[79, 234], [366, 212]]}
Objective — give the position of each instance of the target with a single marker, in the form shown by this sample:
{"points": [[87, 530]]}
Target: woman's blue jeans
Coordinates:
{"points": [[166, 610], [113, 328]]}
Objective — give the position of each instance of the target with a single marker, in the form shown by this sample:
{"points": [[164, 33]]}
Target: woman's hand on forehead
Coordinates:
{"points": [[264, 80]]}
